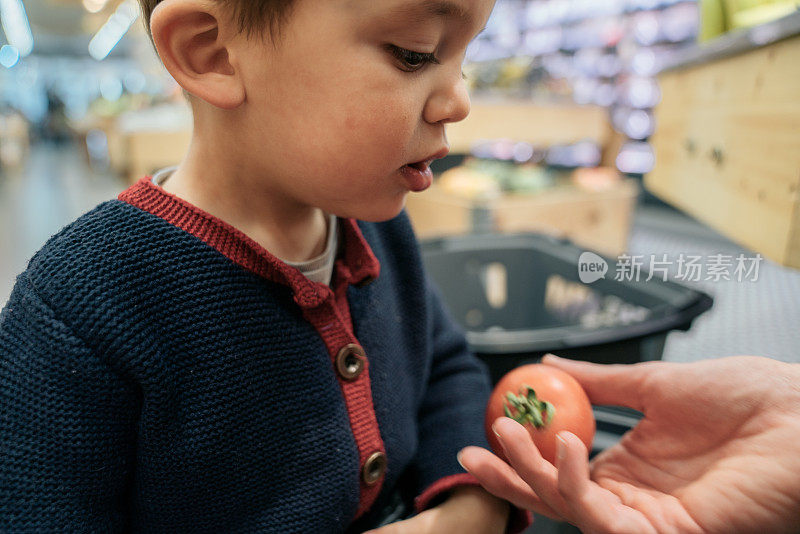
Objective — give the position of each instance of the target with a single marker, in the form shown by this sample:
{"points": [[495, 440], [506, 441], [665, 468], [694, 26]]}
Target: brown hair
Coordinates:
{"points": [[253, 16]]}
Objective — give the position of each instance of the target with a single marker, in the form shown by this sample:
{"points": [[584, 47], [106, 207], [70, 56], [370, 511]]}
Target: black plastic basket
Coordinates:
{"points": [[520, 296]]}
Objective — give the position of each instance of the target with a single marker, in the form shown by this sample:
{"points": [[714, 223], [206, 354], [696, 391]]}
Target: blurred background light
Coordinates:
{"points": [[111, 88], [636, 158], [16, 27], [9, 56], [94, 6], [113, 30]]}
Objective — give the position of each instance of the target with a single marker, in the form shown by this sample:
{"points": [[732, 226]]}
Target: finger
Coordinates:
{"points": [[617, 384], [525, 458], [573, 467], [589, 506], [498, 478]]}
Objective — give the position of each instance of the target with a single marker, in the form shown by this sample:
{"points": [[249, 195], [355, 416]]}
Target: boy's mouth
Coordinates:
{"points": [[420, 165], [424, 164], [418, 175]]}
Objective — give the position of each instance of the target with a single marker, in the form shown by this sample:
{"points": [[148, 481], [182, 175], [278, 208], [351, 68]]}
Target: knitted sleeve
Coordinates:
{"points": [[67, 426], [452, 413]]}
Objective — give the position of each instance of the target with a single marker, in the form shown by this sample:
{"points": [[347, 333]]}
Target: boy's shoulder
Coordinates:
{"points": [[100, 247], [81, 234], [90, 239]]}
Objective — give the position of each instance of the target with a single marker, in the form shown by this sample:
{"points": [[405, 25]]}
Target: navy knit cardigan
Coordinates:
{"points": [[161, 372]]}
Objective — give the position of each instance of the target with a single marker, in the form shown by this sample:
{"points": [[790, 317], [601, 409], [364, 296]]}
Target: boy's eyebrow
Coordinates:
{"points": [[434, 8]]}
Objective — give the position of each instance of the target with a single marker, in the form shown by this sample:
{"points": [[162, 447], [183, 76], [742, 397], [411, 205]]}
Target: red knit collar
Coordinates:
{"points": [[357, 266]]}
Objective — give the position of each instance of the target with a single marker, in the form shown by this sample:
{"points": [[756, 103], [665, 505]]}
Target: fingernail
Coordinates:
{"points": [[494, 429], [458, 459], [561, 447]]}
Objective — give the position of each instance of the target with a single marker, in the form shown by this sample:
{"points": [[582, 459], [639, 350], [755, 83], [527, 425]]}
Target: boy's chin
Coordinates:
{"points": [[378, 213]]}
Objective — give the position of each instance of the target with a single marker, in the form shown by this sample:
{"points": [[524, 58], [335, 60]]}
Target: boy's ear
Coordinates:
{"points": [[193, 41]]}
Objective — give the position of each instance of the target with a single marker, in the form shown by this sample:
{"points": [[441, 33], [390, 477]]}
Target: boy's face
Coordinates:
{"points": [[339, 107]]}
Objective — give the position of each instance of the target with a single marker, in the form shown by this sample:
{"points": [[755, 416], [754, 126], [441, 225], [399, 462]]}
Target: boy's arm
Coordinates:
{"points": [[67, 426], [452, 412]]}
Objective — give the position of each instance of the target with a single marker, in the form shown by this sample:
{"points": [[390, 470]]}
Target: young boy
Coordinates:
{"points": [[224, 348]]}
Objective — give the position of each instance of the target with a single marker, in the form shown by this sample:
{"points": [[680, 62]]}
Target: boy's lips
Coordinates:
{"points": [[418, 175], [425, 162]]}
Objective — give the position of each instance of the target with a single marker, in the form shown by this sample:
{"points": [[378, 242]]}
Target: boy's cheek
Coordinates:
{"points": [[385, 118]]}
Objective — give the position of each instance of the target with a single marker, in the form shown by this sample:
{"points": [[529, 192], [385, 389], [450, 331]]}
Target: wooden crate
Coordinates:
{"points": [[727, 147], [598, 220]]}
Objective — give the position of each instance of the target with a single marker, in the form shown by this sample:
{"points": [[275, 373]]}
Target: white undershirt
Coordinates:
{"points": [[319, 269]]}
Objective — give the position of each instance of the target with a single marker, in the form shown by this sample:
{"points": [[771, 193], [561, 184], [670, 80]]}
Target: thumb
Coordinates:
{"points": [[617, 384]]}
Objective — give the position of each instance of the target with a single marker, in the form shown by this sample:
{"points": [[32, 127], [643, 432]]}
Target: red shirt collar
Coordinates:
{"points": [[358, 265]]}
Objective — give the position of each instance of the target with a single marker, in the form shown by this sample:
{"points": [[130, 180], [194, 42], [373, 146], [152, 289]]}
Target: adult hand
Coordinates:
{"points": [[718, 451], [469, 510]]}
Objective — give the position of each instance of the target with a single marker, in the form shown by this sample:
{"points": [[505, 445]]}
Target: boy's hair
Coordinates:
{"points": [[254, 16]]}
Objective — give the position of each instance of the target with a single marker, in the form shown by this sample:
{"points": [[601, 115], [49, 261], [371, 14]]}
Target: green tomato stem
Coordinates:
{"points": [[527, 408]]}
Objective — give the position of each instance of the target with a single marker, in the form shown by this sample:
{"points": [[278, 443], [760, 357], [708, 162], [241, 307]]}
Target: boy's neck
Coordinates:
{"points": [[216, 184]]}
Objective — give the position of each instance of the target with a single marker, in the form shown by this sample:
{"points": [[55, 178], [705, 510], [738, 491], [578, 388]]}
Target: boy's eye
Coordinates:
{"points": [[412, 61]]}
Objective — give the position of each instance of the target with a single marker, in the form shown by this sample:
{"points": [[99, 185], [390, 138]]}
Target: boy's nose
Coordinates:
{"points": [[449, 102]]}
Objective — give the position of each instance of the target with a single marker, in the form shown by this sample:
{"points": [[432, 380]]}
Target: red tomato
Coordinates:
{"points": [[546, 401]]}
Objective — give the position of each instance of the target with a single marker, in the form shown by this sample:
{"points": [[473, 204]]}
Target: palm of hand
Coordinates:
{"points": [[719, 468], [664, 472]]}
